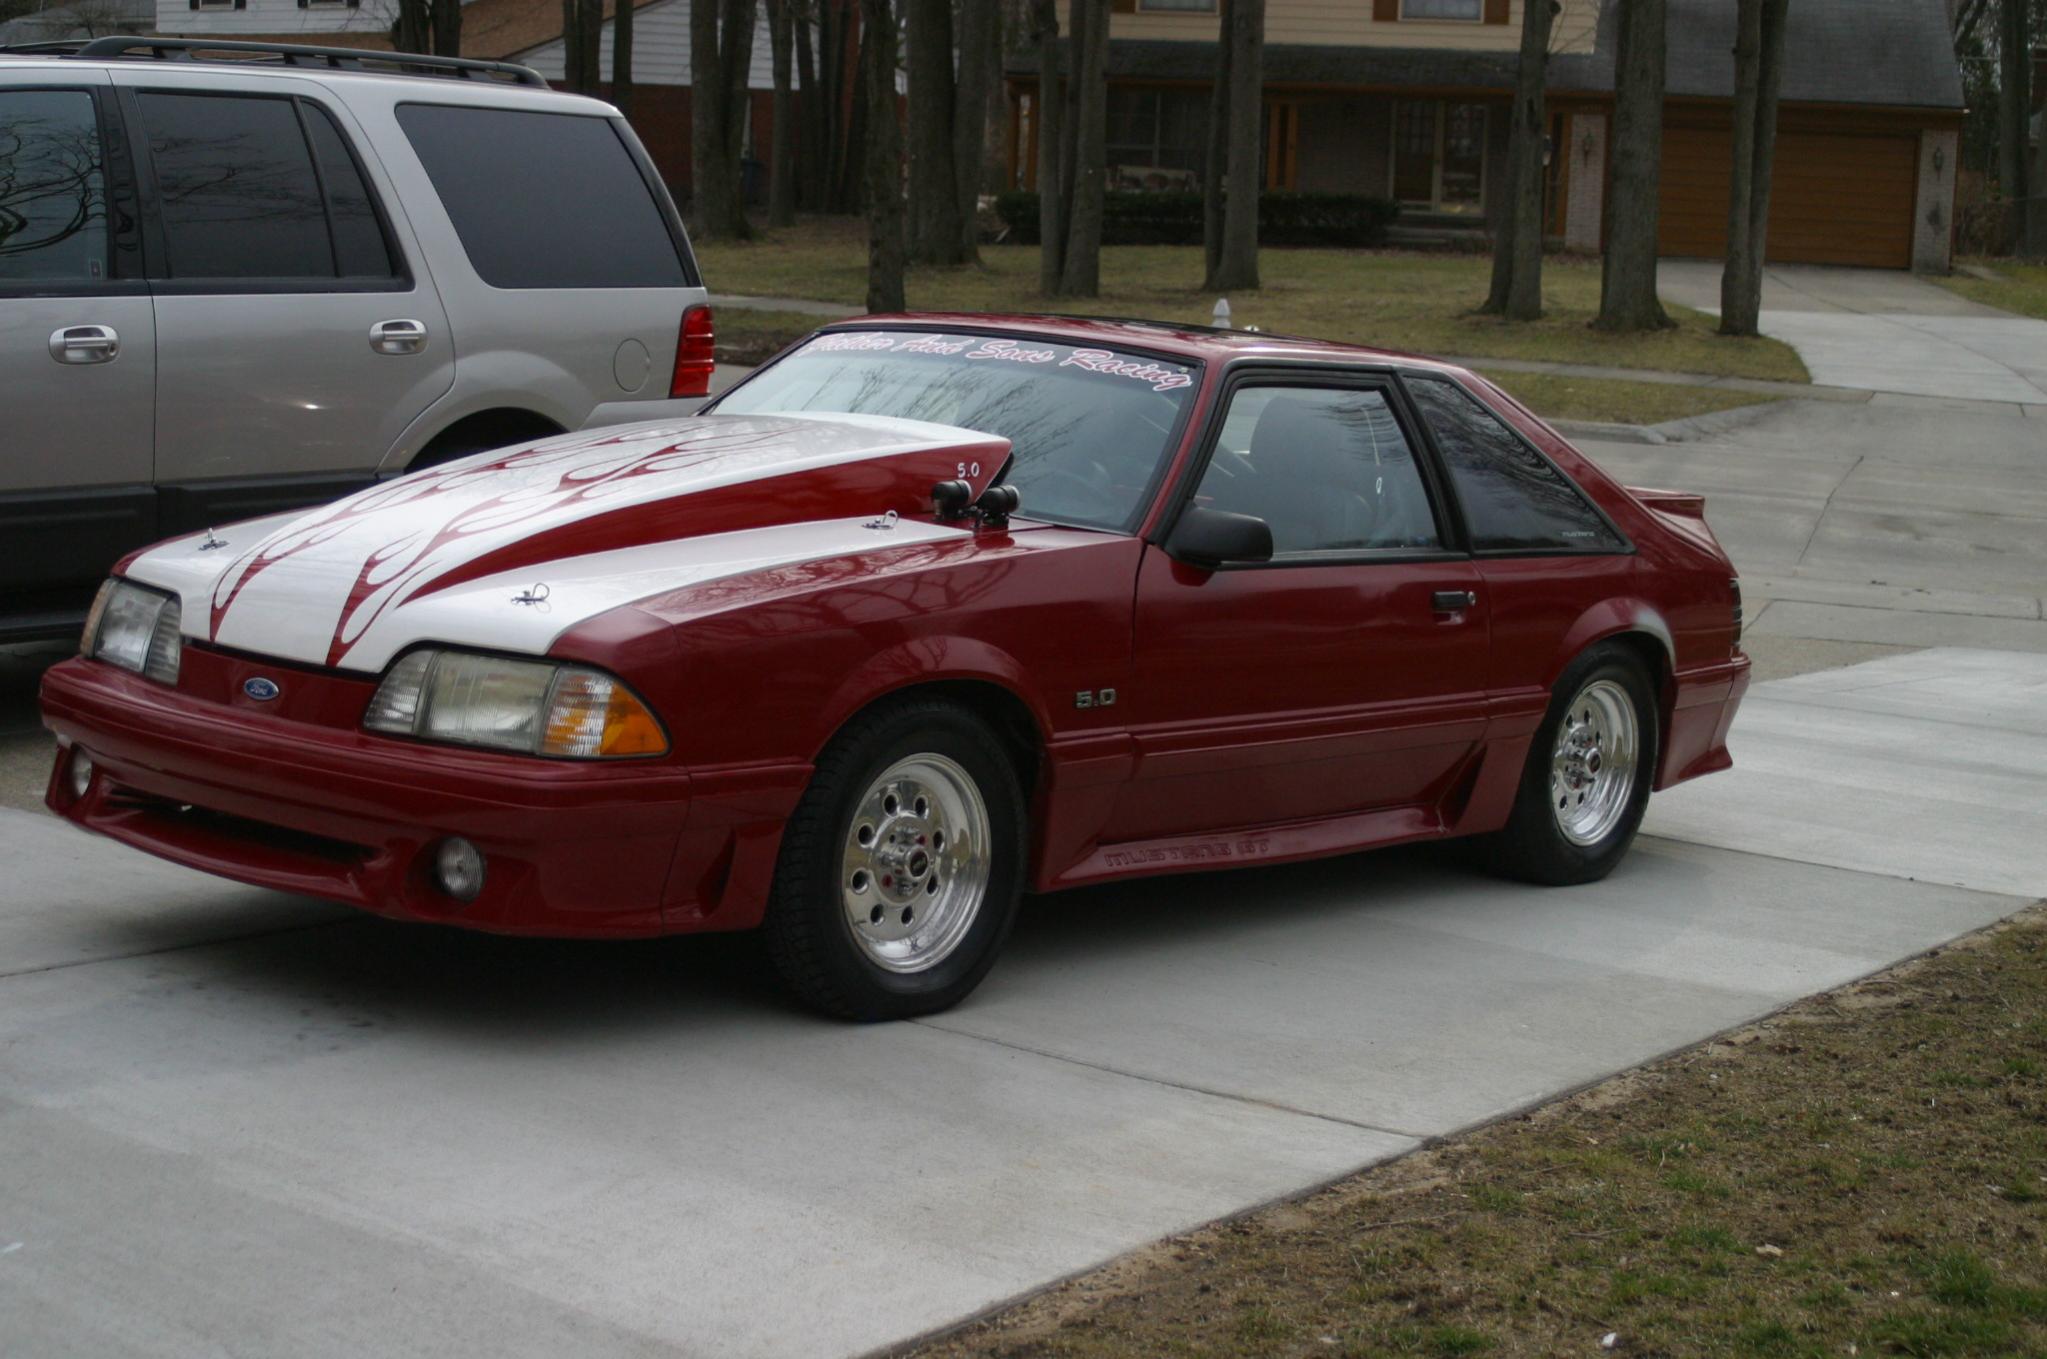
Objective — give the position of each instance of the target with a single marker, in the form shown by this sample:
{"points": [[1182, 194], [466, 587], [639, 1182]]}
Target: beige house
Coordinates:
{"points": [[1409, 99]]}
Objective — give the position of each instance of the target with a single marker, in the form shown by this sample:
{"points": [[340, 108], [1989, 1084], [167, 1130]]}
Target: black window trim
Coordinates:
{"points": [[650, 177], [1196, 367], [156, 251], [125, 276], [1374, 377], [1627, 545]]}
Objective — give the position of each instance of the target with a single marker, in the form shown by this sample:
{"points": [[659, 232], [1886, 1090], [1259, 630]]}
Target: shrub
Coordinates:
{"points": [[1342, 219]]}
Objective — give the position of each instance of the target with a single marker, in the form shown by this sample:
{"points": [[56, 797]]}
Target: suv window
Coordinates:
{"points": [[242, 198], [1327, 469], [1513, 498], [545, 200], [53, 188]]}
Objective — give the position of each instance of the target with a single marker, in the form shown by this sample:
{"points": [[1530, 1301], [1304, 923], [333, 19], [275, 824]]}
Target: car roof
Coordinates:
{"points": [[1202, 343]]}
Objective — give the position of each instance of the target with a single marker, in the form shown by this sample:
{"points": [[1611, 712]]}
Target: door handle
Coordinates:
{"points": [[1452, 601], [398, 337], [84, 344]]}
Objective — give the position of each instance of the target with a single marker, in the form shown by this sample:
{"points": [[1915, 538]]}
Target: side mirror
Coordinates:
{"points": [[1211, 538]]}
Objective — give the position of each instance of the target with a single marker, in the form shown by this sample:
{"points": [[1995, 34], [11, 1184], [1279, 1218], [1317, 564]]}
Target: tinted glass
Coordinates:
{"points": [[359, 247], [1327, 469], [1511, 496], [1088, 427], [544, 200], [53, 188], [236, 184]]}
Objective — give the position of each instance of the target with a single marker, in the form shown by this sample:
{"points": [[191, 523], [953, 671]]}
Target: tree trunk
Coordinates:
{"points": [[782, 169], [447, 16], [721, 51], [1082, 274], [590, 26], [412, 25], [980, 69], [622, 56], [814, 171], [1758, 75], [934, 182], [884, 160], [1215, 156], [1517, 241], [1627, 294], [1051, 106], [2014, 110], [1237, 265]]}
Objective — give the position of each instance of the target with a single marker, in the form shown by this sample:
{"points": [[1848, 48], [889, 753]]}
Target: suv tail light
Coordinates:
{"points": [[695, 343]]}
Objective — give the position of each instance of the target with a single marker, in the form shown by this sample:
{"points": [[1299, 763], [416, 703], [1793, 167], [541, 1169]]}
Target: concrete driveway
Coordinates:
{"points": [[1884, 330], [242, 1122]]}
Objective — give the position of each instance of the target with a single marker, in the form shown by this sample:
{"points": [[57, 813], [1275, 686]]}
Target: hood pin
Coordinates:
{"points": [[212, 542], [886, 523], [535, 594]]}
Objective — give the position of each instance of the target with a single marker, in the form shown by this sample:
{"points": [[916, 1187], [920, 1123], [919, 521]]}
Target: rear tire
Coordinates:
{"points": [[901, 868], [1586, 783]]}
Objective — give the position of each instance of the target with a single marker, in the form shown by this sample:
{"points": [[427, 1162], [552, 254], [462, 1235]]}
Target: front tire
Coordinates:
{"points": [[901, 868], [1586, 783]]}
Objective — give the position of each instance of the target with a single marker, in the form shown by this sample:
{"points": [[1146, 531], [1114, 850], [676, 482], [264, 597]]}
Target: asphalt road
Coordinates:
{"points": [[241, 1122]]}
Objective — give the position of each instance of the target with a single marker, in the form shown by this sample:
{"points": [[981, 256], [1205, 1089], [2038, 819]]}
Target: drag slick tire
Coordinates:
{"points": [[900, 871], [1586, 783]]}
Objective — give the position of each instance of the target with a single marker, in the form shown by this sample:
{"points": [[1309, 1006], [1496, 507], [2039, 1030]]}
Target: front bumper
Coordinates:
{"points": [[322, 808]]}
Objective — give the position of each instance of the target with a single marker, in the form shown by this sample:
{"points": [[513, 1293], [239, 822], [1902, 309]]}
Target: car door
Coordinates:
{"points": [[1545, 552], [77, 349], [298, 336], [1348, 674]]}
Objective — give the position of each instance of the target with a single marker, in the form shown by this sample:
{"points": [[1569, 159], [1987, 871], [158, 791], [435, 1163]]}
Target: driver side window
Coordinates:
{"points": [[1326, 468]]}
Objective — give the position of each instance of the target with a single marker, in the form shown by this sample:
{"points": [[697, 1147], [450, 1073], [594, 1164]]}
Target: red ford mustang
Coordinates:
{"points": [[928, 612]]}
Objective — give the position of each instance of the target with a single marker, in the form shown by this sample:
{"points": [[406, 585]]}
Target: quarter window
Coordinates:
{"points": [[1513, 498], [53, 189], [1326, 468], [243, 198], [544, 200]]}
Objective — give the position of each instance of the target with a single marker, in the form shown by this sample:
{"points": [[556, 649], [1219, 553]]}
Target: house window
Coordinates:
{"points": [[1439, 155], [1176, 6], [1472, 11], [1156, 138]]}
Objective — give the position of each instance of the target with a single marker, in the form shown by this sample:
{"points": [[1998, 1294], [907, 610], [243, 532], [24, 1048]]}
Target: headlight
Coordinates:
{"points": [[136, 628], [534, 707]]}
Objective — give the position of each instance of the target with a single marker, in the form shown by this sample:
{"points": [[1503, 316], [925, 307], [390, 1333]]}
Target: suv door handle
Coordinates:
{"points": [[84, 344], [1451, 601], [398, 337]]}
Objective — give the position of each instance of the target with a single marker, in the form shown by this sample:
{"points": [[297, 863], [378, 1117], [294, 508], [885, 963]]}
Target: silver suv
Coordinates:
{"points": [[237, 277]]}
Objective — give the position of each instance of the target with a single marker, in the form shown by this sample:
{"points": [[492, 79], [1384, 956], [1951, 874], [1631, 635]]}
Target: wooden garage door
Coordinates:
{"points": [[1836, 197]]}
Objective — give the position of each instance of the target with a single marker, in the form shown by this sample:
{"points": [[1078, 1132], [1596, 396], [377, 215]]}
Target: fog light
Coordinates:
{"points": [[458, 868], [81, 774]]}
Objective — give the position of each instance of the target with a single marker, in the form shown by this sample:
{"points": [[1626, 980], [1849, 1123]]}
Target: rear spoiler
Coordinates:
{"points": [[1686, 503]]}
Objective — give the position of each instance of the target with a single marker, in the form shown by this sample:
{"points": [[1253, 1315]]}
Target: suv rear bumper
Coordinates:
{"points": [[572, 848]]}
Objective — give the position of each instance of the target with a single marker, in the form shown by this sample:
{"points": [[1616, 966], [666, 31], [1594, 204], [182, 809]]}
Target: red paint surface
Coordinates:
{"points": [[1262, 715]]}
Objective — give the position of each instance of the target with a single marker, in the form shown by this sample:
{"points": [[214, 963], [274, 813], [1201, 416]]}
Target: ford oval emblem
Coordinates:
{"points": [[259, 688]]}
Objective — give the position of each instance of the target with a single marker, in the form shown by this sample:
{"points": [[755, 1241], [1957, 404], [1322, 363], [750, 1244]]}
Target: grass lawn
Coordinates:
{"points": [[1396, 300], [1865, 1173], [2019, 287], [751, 335]]}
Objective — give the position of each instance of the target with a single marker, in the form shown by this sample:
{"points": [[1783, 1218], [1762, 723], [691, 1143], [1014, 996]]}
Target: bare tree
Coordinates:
{"points": [[1087, 140], [782, 168], [621, 54], [1627, 293], [1517, 239], [934, 182], [721, 53], [1758, 77], [582, 35], [1236, 255], [447, 27], [1215, 154], [2015, 106], [884, 157], [979, 31], [1051, 110], [410, 32]]}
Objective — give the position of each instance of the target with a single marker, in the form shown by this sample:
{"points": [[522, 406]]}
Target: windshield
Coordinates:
{"points": [[1089, 426]]}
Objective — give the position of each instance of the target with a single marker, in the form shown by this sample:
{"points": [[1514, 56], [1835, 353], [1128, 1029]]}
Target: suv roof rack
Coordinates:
{"points": [[288, 54]]}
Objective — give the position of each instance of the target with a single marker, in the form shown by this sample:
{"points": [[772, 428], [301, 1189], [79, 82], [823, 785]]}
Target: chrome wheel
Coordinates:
{"points": [[1593, 766], [914, 868]]}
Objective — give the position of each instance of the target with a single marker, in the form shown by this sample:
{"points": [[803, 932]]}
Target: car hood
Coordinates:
{"points": [[508, 549]]}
